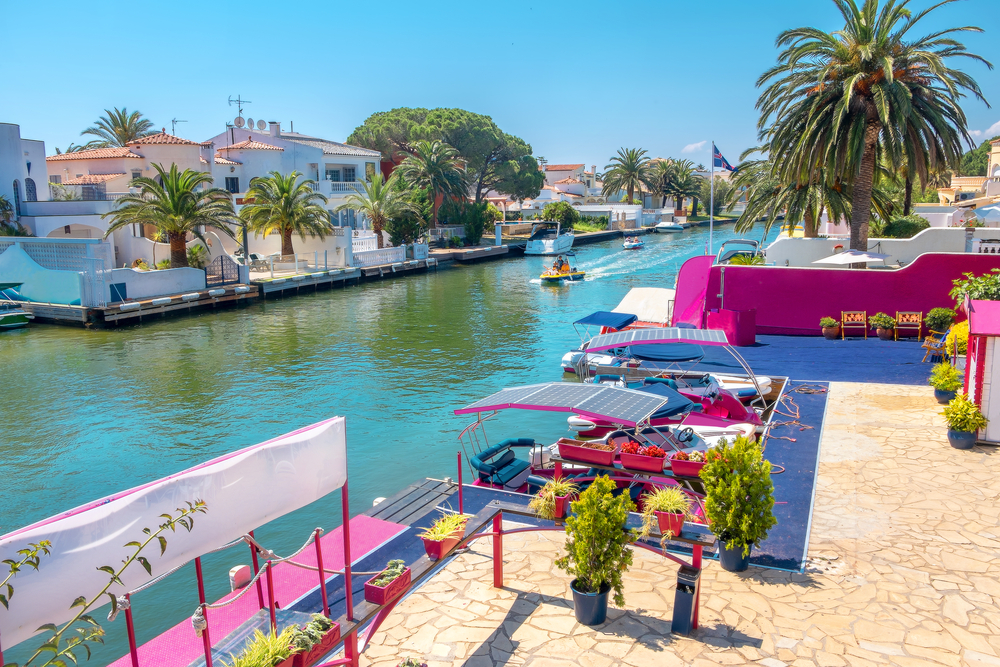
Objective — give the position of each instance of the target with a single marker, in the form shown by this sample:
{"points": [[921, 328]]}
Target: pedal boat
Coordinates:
{"points": [[551, 277]]}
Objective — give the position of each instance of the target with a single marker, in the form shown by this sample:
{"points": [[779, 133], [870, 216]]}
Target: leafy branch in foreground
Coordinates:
{"points": [[31, 557], [56, 648]]}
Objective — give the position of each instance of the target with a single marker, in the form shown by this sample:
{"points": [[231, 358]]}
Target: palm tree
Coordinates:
{"points": [[283, 204], [118, 127], [76, 148], [659, 176], [835, 101], [629, 171], [436, 167], [6, 210], [382, 201], [182, 205], [682, 183]]}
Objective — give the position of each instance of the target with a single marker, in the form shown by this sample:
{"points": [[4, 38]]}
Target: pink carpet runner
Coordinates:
{"points": [[180, 645]]}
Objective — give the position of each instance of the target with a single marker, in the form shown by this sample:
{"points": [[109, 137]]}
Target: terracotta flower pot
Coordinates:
{"points": [[831, 333], [884, 334], [670, 522]]}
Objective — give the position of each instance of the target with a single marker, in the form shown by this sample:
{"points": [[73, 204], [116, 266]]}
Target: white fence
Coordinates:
{"points": [[91, 258], [420, 251], [362, 240], [376, 257]]}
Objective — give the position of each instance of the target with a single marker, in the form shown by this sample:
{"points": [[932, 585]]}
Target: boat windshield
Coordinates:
{"points": [[541, 232], [735, 247]]}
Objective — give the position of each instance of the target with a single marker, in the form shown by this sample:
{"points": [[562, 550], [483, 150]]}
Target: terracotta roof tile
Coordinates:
{"points": [[251, 145], [562, 167], [163, 138], [91, 179], [569, 180], [95, 154], [221, 160]]}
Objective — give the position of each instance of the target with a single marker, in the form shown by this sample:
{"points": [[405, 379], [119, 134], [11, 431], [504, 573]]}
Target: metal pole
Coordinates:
{"points": [[326, 260], [1, 654], [270, 596], [246, 246], [256, 569], [498, 551], [711, 205], [130, 627], [205, 639], [461, 507], [322, 574], [348, 589]]}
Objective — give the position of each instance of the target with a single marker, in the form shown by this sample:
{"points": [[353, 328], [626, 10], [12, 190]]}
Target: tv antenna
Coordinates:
{"points": [[173, 125], [239, 102]]}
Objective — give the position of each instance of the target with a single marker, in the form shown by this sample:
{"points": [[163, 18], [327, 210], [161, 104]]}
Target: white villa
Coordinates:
{"points": [[22, 176]]}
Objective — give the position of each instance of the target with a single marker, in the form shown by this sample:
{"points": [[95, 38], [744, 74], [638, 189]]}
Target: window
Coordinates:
{"points": [[136, 173], [348, 174], [232, 184], [333, 175], [30, 193], [17, 200], [55, 179]]}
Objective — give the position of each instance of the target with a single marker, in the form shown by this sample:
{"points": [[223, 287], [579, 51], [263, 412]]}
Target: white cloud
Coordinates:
{"points": [[992, 131], [694, 148]]}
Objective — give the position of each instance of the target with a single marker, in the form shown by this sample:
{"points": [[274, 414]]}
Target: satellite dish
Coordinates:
{"points": [[238, 122], [261, 125], [249, 123]]}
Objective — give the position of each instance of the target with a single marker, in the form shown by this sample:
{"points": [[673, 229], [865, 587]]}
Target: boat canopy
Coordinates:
{"points": [[628, 407], [677, 353], [618, 339], [604, 318]]}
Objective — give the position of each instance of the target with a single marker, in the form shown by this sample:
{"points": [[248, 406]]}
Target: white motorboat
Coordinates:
{"points": [[548, 238], [667, 227]]}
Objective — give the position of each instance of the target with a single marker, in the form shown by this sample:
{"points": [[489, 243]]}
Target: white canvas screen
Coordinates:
{"points": [[242, 490]]}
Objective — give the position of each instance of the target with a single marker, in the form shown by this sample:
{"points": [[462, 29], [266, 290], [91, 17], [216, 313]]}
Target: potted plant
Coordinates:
{"points": [[957, 343], [687, 463], [665, 508], [597, 550], [596, 453], [388, 584], [266, 650], [443, 535], [739, 499], [314, 640], [552, 500], [830, 327], [647, 458], [964, 419], [883, 325], [411, 662], [946, 380], [939, 319]]}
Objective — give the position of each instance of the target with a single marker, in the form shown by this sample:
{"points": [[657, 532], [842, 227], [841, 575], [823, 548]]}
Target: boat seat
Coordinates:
{"points": [[670, 382], [506, 469]]}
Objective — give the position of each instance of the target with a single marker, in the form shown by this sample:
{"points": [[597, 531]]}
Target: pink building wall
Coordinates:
{"points": [[792, 300]]}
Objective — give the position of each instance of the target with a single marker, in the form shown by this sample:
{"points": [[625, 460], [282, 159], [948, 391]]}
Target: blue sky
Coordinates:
{"points": [[576, 80]]}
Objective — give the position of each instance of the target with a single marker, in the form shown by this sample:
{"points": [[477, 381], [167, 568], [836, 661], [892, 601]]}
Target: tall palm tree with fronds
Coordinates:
{"points": [[437, 167], [178, 204], [628, 171], [283, 204], [118, 127], [682, 183], [835, 101], [659, 176], [382, 201]]}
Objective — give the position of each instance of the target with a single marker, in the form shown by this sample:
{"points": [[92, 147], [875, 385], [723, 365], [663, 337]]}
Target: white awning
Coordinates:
{"points": [[852, 257]]}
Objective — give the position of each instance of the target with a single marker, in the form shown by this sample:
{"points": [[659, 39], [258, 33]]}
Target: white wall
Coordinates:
{"points": [[146, 284], [12, 165]]}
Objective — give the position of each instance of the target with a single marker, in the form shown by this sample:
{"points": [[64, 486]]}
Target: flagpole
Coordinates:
{"points": [[711, 204]]}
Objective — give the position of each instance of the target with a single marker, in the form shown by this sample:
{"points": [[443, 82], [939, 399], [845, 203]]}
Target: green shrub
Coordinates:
{"points": [[264, 650], [905, 227], [979, 288], [448, 525], [959, 335], [597, 548], [945, 377], [392, 570], [828, 322], [963, 415], [739, 494], [561, 212], [939, 319], [881, 321], [198, 256]]}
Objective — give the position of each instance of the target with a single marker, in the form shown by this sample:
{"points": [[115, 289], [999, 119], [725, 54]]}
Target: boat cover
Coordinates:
{"points": [[242, 491], [628, 407], [604, 318], [676, 402], [650, 304], [618, 339], [668, 353]]}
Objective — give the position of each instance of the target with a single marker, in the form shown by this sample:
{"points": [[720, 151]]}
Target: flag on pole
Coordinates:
{"points": [[719, 161]]}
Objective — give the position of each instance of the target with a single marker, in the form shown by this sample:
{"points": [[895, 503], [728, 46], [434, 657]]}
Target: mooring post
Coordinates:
{"points": [[498, 550], [461, 506], [322, 574], [133, 651], [270, 596], [348, 585]]}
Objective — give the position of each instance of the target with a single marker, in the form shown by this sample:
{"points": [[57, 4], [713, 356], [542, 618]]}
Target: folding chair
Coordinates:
{"points": [[934, 344], [855, 319], [909, 321]]}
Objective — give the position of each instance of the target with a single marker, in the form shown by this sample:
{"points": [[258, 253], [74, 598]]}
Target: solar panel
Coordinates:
{"points": [[656, 335], [502, 399]]}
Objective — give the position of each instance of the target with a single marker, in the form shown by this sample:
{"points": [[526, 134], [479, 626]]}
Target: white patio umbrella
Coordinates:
{"points": [[852, 257]]}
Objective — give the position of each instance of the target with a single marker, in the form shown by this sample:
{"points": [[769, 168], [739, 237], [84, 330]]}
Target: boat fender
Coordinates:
{"points": [[134, 305], [162, 301], [239, 577], [378, 501], [243, 289]]}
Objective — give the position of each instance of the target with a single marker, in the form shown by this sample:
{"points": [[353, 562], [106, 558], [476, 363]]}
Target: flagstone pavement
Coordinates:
{"points": [[903, 570]]}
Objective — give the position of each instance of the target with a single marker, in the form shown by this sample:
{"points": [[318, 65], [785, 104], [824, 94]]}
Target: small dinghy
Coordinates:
{"points": [[633, 243]]}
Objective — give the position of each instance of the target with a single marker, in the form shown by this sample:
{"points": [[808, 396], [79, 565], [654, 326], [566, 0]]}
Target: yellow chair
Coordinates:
{"points": [[935, 345], [855, 319], [909, 321]]}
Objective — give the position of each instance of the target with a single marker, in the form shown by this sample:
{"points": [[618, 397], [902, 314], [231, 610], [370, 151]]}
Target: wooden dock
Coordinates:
{"points": [[131, 312]]}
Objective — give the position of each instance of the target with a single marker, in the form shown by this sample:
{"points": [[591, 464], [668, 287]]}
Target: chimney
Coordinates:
{"points": [[208, 152], [275, 129], [593, 169]]}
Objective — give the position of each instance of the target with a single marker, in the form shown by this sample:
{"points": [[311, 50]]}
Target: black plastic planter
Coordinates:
{"points": [[943, 396], [590, 608], [732, 559], [961, 439]]}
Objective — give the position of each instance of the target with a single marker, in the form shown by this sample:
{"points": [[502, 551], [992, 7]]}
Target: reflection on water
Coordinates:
{"points": [[87, 413]]}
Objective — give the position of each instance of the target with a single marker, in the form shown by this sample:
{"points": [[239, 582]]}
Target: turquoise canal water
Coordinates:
{"points": [[88, 413]]}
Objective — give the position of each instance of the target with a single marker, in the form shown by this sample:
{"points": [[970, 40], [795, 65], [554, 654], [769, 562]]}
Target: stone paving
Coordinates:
{"points": [[903, 570]]}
